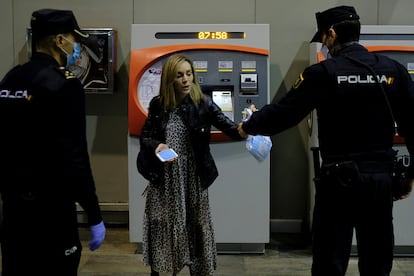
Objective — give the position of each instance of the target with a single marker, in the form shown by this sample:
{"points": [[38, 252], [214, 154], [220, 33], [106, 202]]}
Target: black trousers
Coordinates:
{"points": [[31, 259], [33, 243], [364, 205]]}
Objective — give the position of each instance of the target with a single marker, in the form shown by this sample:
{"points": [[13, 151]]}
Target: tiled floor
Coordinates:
{"points": [[286, 255]]}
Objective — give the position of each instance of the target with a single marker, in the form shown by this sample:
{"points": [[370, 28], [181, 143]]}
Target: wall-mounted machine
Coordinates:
{"points": [[232, 66], [95, 68], [397, 42]]}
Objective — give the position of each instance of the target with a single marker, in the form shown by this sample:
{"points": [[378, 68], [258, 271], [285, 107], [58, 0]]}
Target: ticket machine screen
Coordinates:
{"points": [[223, 96]]}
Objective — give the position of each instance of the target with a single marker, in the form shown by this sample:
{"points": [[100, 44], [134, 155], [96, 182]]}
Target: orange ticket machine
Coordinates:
{"points": [[396, 42], [232, 66], [230, 74]]}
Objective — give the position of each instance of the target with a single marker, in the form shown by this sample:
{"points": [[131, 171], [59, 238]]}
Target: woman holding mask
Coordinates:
{"points": [[178, 229]]}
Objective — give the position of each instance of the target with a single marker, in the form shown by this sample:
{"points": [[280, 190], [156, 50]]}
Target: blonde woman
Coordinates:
{"points": [[178, 229]]}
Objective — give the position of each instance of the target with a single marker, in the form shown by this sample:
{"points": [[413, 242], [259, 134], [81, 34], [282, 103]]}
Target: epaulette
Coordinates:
{"points": [[298, 81], [68, 74]]}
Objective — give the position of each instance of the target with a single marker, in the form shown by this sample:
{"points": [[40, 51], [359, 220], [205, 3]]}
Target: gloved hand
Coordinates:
{"points": [[98, 235]]}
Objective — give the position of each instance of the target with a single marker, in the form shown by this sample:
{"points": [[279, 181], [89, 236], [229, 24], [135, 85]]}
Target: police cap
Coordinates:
{"points": [[326, 19], [46, 22]]}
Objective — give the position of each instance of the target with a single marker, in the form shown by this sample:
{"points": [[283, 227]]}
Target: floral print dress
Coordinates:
{"points": [[177, 228]]}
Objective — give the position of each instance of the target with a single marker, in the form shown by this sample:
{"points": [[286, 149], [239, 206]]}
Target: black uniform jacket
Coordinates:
{"points": [[44, 162], [198, 120], [352, 111]]}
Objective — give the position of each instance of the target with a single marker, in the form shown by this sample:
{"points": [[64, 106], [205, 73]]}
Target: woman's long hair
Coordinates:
{"points": [[169, 74]]}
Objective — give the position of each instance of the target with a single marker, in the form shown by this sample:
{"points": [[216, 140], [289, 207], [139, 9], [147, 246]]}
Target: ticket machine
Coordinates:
{"points": [[232, 66], [397, 42]]}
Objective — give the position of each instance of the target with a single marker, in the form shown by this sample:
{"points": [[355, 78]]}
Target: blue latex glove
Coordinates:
{"points": [[98, 235]]}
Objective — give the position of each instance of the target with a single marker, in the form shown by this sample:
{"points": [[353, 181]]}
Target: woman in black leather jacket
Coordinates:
{"points": [[178, 230]]}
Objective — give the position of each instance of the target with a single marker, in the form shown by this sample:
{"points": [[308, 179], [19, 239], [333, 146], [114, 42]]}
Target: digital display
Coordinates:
{"points": [[215, 35]]}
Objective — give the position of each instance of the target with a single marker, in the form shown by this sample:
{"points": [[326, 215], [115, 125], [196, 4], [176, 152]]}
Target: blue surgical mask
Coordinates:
{"points": [[73, 57]]}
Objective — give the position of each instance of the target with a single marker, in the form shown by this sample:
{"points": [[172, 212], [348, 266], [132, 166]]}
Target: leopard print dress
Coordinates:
{"points": [[177, 228]]}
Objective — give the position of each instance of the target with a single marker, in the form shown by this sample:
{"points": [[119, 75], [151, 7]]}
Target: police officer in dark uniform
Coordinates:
{"points": [[351, 92], [44, 162]]}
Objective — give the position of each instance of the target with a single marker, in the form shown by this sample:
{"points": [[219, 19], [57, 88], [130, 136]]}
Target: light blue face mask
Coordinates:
{"points": [[73, 57]]}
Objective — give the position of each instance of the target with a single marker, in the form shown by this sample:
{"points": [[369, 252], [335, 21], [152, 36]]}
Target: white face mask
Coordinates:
{"points": [[73, 57]]}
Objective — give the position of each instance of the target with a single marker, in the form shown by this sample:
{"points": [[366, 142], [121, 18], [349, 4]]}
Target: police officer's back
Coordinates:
{"points": [[359, 98]]}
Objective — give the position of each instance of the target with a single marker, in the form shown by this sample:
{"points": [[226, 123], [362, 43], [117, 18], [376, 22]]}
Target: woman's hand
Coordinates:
{"points": [[161, 147]]}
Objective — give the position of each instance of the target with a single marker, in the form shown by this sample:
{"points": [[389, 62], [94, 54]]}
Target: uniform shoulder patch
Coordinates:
{"points": [[298, 81], [69, 74]]}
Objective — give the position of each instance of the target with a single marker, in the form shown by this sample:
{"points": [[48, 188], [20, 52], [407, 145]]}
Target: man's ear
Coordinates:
{"points": [[59, 40], [332, 33]]}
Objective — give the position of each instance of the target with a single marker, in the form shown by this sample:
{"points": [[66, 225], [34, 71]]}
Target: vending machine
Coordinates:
{"points": [[396, 42], [232, 66]]}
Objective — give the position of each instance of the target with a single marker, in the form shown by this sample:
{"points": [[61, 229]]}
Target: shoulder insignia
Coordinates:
{"points": [[69, 75], [298, 81]]}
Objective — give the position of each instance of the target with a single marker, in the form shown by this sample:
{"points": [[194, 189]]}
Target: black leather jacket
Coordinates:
{"points": [[199, 120]]}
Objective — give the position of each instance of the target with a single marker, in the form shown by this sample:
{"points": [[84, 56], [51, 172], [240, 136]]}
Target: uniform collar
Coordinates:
{"points": [[353, 47], [45, 58]]}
